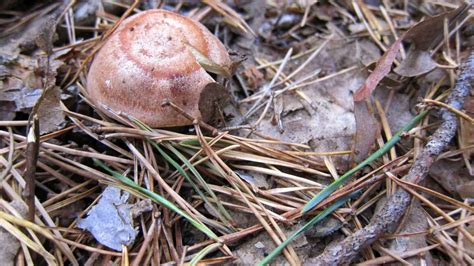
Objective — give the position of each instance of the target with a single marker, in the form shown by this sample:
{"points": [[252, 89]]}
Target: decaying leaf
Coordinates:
{"points": [[384, 64], [22, 86], [50, 112], [211, 102], [253, 77], [37, 31], [111, 220], [255, 180], [429, 33], [44, 40], [418, 62], [398, 112], [256, 248], [327, 123], [468, 245], [466, 132], [17, 100], [325, 228], [453, 177], [415, 221], [466, 190], [423, 35], [367, 131]]}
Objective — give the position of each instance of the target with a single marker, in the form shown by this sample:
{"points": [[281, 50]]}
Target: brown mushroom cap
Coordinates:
{"points": [[147, 60]]}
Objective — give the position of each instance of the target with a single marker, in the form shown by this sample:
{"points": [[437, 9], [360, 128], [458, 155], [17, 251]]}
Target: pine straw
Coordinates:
{"points": [[132, 151]]}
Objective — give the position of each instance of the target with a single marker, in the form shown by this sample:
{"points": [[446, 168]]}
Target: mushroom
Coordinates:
{"points": [[154, 56]]}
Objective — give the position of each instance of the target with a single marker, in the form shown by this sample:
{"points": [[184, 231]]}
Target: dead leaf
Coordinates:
{"points": [[367, 131], [253, 77], [415, 221], [398, 113], [6, 108], [328, 124], [44, 40], [466, 190], [326, 227], [423, 35], [466, 132], [22, 85], [383, 67], [50, 112], [428, 33], [111, 220], [417, 62], [18, 100], [24, 39], [467, 243], [260, 245], [255, 180], [211, 101], [453, 177]]}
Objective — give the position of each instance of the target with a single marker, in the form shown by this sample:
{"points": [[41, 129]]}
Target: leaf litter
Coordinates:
{"points": [[354, 74], [111, 220]]}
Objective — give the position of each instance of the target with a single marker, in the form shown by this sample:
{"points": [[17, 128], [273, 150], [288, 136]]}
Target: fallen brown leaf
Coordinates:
{"points": [[381, 70], [423, 35], [367, 131]]}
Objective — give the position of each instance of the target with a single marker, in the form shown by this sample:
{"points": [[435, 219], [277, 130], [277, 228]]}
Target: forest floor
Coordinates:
{"points": [[347, 136]]}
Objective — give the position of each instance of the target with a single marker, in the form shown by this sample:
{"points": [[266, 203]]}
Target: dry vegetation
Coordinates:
{"points": [[348, 138]]}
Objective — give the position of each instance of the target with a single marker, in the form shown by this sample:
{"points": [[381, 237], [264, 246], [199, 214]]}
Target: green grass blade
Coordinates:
{"points": [[201, 254], [178, 168], [334, 185], [200, 180], [158, 199], [196, 143], [222, 213], [193, 184], [316, 219]]}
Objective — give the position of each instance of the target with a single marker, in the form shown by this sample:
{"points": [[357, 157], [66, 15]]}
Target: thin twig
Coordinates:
{"points": [[31, 154]]}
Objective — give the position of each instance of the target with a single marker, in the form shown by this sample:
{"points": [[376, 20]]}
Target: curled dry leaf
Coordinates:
{"points": [[36, 31], [429, 33], [384, 64], [454, 177], [45, 37]]}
